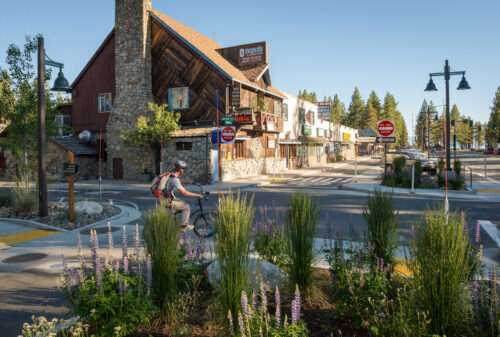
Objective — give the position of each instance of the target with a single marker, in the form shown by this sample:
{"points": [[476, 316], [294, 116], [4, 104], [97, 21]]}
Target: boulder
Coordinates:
{"points": [[88, 208], [270, 274]]}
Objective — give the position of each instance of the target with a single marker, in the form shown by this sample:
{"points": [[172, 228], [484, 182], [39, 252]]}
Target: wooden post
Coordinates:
{"points": [[71, 191]]}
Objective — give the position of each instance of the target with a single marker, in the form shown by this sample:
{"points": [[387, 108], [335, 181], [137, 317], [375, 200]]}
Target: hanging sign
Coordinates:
{"points": [[244, 116], [235, 96], [228, 134]]}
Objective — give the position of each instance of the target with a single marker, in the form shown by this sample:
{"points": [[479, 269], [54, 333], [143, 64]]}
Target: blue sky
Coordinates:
{"points": [[325, 46]]}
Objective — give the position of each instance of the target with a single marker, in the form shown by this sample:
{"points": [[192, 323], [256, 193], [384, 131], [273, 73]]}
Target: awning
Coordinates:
{"points": [[289, 141]]}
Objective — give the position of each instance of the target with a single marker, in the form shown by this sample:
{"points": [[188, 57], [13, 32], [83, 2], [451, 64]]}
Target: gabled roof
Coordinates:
{"points": [[207, 49], [72, 144]]}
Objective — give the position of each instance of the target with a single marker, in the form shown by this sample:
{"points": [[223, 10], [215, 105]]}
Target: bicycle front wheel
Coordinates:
{"points": [[204, 224]]}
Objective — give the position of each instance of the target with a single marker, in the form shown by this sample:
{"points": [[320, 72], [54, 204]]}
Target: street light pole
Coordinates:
{"points": [[447, 132], [42, 164]]}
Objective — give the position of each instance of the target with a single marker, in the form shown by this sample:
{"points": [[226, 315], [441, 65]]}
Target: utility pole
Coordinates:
{"points": [[42, 140]]}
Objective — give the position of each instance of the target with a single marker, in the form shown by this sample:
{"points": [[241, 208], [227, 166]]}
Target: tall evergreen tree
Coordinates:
{"points": [[372, 111], [307, 96], [337, 110], [421, 127], [479, 134], [493, 129], [356, 109]]}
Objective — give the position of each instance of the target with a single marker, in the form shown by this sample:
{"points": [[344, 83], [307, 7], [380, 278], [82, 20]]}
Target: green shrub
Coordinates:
{"points": [[161, 236], [5, 197], [399, 164], [418, 173], [440, 263], [270, 243], [457, 167], [25, 200], [381, 219], [440, 166], [300, 227], [109, 310], [40, 326], [232, 246]]}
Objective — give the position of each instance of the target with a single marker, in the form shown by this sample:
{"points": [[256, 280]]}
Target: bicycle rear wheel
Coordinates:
{"points": [[204, 224]]}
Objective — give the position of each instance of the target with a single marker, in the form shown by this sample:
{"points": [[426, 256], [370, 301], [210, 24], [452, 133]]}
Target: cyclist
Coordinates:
{"points": [[172, 187]]}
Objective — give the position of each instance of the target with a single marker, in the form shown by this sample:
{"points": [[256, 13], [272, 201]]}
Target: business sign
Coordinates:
{"points": [[306, 130], [385, 128], [324, 110], [346, 136], [235, 95], [254, 53], [244, 116], [386, 139], [178, 98], [228, 134]]}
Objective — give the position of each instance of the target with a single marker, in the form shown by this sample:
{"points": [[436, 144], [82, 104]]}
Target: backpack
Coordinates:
{"points": [[155, 185]]}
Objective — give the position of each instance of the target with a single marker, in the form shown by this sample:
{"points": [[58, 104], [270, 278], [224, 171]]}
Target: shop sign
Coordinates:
{"points": [[346, 137], [244, 116], [254, 53], [306, 130], [235, 96], [324, 110], [178, 98]]}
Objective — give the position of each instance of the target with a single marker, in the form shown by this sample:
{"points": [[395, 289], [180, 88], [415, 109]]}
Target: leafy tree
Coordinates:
{"points": [[493, 129], [19, 107], [356, 109], [153, 131], [337, 110]]}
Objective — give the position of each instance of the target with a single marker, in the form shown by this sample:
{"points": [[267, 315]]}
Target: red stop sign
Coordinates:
{"points": [[385, 128], [228, 134]]}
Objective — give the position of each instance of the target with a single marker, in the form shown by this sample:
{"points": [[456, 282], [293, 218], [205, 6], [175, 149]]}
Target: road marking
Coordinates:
{"points": [[17, 238]]}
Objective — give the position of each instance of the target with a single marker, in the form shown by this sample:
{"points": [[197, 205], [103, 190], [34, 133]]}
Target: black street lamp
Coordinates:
{"points": [[60, 84], [463, 85]]}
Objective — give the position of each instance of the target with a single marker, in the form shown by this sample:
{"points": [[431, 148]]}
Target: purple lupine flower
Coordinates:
{"points": [[263, 297], [296, 306], [116, 265], [98, 274], [124, 241], [110, 238], [478, 232], [149, 274], [125, 265], [277, 300], [94, 248], [241, 324], [137, 241], [244, 303]]}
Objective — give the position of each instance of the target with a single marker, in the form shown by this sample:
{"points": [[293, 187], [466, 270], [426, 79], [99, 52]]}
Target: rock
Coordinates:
{"points": [[88, 207], [271, 275]]}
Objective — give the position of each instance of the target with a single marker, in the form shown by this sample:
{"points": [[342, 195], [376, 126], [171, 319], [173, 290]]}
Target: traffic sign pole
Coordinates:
{"points": [[71, 191]]}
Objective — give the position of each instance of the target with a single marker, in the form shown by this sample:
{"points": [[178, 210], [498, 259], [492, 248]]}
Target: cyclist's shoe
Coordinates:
{"points": [[187, 228]]}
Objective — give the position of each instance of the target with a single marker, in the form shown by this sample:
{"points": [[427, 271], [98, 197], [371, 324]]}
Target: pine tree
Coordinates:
{"points": [[372, 111], [479, 134], [356, 109], [493, 129], [421, 127], [389, 110], [337, 110]]}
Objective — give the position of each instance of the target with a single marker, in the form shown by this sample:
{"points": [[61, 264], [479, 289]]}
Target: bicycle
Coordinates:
{"points": [[204, 220]]}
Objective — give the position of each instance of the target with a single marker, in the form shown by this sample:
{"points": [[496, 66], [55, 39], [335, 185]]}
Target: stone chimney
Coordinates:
{"points": [[133, 88]]}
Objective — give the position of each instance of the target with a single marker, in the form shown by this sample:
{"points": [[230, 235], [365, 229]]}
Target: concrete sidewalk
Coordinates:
{"points": [[436, 193]]}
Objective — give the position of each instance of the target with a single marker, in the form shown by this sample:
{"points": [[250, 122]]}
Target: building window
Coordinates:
{"points": [[277, 108], [183, 146], [239, 149], [104, 102], [284, 112]]}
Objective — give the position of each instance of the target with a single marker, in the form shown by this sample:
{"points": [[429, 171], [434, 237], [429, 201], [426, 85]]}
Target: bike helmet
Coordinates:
{"points": [[180, 164]]}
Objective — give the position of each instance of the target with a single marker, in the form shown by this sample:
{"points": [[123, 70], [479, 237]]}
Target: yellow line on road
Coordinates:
{"points": [[16, 238], [489, 190]]}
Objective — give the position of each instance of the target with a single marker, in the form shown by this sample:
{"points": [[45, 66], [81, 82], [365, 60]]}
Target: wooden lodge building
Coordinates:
{"points": [[150, 57]]}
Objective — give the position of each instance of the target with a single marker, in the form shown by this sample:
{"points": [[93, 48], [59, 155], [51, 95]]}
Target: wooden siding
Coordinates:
{"points": [[97, 77], [175, 65]]}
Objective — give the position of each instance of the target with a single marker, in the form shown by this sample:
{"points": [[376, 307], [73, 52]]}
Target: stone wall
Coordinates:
{"points": [[198, 158], [133, 85]]}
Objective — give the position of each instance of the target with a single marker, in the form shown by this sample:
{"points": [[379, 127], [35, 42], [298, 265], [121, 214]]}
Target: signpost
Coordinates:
{"points": [[228, 134], [70, 169], [385, 130]]}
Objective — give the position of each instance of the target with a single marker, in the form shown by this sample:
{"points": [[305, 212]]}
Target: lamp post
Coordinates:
{"points": [[463, 85], [60, 84]]}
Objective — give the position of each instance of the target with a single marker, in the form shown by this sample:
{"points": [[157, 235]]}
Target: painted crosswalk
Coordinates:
{"points": [[316, 181]]}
